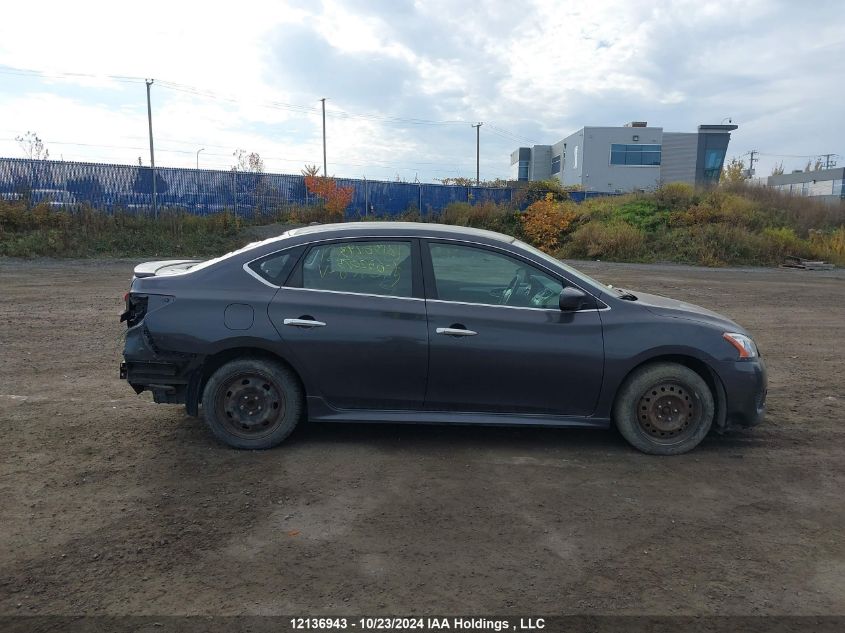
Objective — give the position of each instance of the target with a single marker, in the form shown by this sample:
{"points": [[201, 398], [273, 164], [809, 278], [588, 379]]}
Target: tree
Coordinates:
{"points": [[250, 162], [777, 170], [310, 170], [335, 199], [460, 181], [734, 172], [251, 189], [33, 147], [814, 166]]}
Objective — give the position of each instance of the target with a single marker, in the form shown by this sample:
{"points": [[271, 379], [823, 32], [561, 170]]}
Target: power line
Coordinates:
{"points": [[512, 135], [279, 105], [10, 70], [795, 155], [300, 160]]}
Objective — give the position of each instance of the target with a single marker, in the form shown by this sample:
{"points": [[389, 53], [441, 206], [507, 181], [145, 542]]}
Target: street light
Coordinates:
{"points": [[198, 156]]}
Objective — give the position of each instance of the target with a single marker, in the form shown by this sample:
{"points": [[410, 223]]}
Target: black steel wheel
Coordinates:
{"points": [[252, 403], [664, 409], [667, 411]]}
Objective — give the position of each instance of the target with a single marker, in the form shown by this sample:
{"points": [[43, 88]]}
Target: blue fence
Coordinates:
{"points": [[203, 191]]}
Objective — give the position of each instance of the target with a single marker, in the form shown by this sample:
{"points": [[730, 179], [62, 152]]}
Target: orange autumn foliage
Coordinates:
{"points": [[335, 199], [545, 220]]}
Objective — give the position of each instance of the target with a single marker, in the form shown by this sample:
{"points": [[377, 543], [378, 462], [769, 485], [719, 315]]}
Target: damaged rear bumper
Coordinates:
{"points": [[168, 375]]}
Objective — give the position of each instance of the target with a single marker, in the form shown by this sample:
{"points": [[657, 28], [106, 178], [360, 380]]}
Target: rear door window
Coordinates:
{"points": [[361, 267]]}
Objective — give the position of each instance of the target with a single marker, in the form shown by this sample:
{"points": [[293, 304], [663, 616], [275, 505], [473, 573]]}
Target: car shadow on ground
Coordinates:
{"points": [[433, 436], [436, 437]]}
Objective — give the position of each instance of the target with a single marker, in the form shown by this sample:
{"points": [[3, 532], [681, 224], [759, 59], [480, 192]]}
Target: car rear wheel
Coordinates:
{"points": [[252, 403], [664, 409]]}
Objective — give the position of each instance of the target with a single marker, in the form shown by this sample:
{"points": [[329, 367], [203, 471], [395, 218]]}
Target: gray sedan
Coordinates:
{"points": [[426, 323]]}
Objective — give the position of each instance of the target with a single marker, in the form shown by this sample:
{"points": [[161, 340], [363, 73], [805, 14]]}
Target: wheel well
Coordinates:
{"points": [[702, 369], [214, 361]]}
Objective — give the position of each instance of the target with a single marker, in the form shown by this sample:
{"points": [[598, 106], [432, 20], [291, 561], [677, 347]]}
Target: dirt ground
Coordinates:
{"points": [[114, 505]]}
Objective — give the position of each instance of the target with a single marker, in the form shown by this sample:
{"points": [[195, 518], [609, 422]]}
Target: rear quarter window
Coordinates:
{"points": [[274, 268]]}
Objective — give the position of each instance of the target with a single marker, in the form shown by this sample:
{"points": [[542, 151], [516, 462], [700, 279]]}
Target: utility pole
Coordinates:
{"points": [[149, 83], [325, 173], [751, 161], [827, 162], [477, 127]]}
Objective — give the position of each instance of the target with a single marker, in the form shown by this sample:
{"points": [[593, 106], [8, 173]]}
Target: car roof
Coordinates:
{"points": [[420, 229]]}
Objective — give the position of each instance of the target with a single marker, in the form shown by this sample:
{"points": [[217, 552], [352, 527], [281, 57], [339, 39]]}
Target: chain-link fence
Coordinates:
{"points": [[202, 191]]}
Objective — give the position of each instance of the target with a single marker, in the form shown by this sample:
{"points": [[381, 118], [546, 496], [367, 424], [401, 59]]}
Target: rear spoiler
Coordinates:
{"points": [[151, 269]]}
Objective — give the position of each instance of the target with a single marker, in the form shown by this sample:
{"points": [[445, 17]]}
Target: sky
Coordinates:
{"points": [[405, 80]]}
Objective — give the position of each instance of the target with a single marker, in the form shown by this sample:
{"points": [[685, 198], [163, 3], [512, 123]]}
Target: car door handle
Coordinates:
{"points": [[454, 331], [304, 323]]}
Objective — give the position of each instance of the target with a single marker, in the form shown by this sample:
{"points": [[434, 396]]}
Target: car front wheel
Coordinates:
{"points": [[252, 403], [664, 409]]}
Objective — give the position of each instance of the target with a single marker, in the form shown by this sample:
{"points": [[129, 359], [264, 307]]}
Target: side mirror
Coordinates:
{"points": [[571, 299]]}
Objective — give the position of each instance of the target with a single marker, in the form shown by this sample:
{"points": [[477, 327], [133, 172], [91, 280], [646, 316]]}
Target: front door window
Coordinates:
{"points": [[468, 274]]}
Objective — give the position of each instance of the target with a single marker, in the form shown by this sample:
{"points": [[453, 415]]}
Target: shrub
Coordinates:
{"points": [[309, 214], [86, 232], [722, 207], [545, 221], [615, 241], [799, 212], [335, 198], [642, 213], [829, 246], [536, 190], [675, 195], [783, 241], [721, 244], [483, 215]]}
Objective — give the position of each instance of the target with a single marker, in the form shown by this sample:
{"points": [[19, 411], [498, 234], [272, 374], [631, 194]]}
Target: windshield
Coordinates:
{"points": [[597, 285]]}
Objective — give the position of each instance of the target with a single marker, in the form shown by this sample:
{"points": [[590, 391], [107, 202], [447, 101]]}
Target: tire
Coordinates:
{"points": [[252, 403], [664, 409]]}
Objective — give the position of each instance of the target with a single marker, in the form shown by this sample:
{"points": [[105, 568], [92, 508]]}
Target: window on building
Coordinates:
{"points": [[635, 155], [523, 170], [714, 160], [556, 164], [575, 158]]}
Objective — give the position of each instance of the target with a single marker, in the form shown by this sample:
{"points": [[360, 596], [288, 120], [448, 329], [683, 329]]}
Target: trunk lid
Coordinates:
{"points": [[164, 267]]}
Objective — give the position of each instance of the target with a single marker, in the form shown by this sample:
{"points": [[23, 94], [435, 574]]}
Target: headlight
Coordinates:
{"points": [[743, 344]]}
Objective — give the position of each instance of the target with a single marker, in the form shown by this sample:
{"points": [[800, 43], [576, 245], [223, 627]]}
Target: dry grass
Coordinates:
{"points": [[716, 227]]}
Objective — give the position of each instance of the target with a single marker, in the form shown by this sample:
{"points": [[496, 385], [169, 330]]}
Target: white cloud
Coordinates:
{"points": [[537, 70]]}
